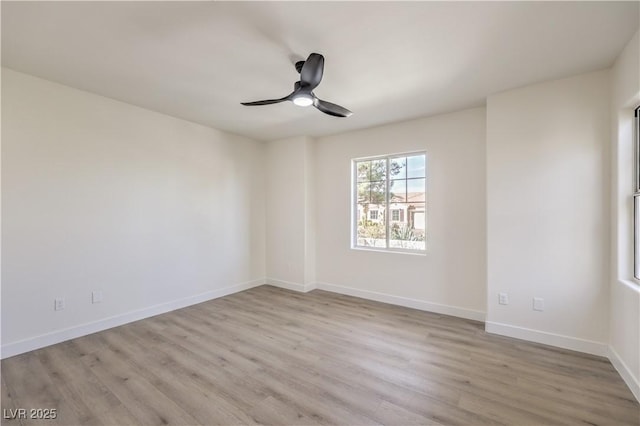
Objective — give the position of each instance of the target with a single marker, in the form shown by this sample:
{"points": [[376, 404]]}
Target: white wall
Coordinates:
{"points": [[100, 195], [624, 324], [290, 198], [451, 277], [547, 210]]}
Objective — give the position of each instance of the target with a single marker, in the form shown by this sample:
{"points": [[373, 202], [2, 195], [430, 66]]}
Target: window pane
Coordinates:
{"points": [[416, 190], [363, 168], [637, 149], [378, 171], [398, 168], [417, 218], [378, 192], [636, 236], [410, 232], [397, 191], [636, 200], [371, 226], [416, 166], [364, 193]]}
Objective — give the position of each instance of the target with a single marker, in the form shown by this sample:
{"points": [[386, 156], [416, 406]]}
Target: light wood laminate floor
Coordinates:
{"points": [[273, 356]]}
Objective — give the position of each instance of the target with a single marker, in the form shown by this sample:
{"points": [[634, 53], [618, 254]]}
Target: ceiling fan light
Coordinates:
{"points": [[303, 100]]}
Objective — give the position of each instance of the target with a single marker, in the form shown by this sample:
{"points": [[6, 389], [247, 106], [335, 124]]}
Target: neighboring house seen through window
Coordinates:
{"points": [[396, 184]]}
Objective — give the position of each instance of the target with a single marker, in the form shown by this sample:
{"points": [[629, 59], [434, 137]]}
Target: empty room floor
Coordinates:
{"points": [[274, 356]]}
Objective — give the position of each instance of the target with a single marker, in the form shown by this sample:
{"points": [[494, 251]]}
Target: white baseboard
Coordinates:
{"points": [[404, 301], [32, 343], [631, 381], [552, 339], [303, 288]]}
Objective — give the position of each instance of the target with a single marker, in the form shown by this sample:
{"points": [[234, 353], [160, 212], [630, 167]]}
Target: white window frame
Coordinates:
{"points": [[387, 216]]}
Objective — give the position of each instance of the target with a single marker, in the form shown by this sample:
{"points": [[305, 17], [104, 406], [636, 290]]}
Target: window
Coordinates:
{"points": [[636, 198], [396, 184]]}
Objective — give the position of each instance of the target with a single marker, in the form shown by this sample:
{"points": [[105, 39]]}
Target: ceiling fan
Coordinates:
{"points": [[310, 76]]}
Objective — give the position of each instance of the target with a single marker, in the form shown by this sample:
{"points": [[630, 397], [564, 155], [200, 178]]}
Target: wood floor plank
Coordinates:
{"points": [[142, 398], [273, 411], [92, 402], [33, 389], [11, 417], [200, 402], [390, 413], [277, 357]]}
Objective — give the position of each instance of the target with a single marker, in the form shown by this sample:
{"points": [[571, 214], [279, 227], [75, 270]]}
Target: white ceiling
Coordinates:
{"points": [[386, 61]]}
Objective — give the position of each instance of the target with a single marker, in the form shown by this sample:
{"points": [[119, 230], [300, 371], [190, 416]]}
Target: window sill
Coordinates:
{"points": [[633, 285], [393, 251]]}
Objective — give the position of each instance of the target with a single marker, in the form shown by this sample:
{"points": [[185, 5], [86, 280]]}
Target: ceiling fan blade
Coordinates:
{"points": [[331, 109], [268, 101], [311, 73]]}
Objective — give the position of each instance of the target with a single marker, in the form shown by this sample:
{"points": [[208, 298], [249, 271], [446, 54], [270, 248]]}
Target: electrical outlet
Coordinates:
{"points": [[503, 298], [58, 304], [538, 304], [96, 296]]}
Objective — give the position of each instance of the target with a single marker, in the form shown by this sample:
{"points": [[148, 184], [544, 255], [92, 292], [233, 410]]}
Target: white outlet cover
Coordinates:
{"points": [[503, 298], [58, 304], [538, 304], [96, 296]]}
